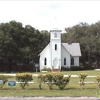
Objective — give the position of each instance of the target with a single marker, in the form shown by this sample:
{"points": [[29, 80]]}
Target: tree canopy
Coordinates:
{"points": [[21, 44]]}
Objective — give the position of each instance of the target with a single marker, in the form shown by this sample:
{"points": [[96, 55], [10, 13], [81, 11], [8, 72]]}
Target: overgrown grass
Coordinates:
{"points": [[72, 89]]}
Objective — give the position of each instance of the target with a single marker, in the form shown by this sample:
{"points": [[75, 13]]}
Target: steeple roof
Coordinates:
{"points": [[55, 30]]}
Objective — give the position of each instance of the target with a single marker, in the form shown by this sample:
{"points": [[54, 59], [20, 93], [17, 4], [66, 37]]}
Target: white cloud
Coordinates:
{"points": [[41, 14]]}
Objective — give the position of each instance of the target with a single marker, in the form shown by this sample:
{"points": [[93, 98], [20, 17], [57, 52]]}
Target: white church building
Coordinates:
{"points": [[57, 54]]}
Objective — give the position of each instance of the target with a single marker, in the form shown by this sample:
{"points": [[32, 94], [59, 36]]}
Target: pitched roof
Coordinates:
{"points": [[73, 48], [44, 49]]}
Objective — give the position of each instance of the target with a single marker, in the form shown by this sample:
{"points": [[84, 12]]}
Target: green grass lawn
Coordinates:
{"points": [[89, 72], [72, 89]]}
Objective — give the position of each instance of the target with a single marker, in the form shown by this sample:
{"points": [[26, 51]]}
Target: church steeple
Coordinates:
{"points": [[55, 41], [55, 34]]}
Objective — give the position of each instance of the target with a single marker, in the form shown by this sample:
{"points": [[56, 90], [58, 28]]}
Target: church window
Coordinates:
{"points": [[64, 61], [72, 61], [55, 35], [55, 46], [45, 61]]}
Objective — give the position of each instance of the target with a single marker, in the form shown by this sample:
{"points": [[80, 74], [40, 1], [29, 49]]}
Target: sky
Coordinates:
{"points": [[49, 14]]}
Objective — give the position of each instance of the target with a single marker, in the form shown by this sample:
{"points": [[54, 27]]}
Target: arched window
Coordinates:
{"points": [[72, 61], [55, 35], [55, 46], [45, 61], [64, 61]]}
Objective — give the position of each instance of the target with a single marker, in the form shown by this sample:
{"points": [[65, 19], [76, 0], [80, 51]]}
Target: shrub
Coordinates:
{"points": [[65, 68], [73, 68], [56, 79], [24, 78], [82, 77], [61, 81], [46, 69], [98, 80], [3, 79], [76, 68], [49, 80], [94, 65], [41, 79]]}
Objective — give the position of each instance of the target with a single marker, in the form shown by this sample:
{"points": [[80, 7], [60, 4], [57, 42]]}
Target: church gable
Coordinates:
{"points": [[46, 49], [44, 60]]}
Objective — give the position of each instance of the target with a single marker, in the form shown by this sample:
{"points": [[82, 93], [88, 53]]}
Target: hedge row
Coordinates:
{"points": [[50, 79], [53, 79], [22, 78]]}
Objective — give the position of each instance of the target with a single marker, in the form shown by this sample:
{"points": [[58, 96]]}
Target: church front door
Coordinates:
{"points": [[56, 64]]}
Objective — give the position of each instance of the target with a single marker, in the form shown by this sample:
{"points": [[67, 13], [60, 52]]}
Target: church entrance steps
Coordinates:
{"points": [[55, 70]]}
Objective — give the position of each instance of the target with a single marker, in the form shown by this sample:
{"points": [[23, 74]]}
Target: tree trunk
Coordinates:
{"points": [[9, 64]]}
